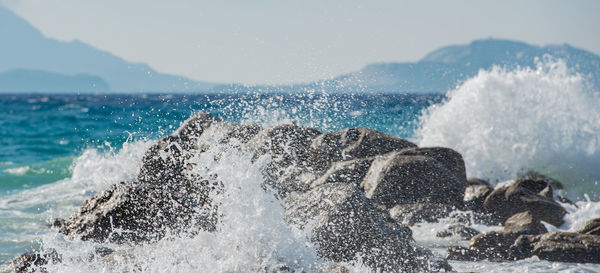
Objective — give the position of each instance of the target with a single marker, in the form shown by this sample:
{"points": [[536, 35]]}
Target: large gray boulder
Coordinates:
{"points": [[525, 195], [450, 159], [400, 179], [352, 143], [346, 225]]}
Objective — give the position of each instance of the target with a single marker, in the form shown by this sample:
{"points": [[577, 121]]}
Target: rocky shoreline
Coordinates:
{"points": [[357, 191]]}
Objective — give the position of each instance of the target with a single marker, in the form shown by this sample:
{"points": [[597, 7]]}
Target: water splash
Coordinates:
{"points": [[507, 122]]}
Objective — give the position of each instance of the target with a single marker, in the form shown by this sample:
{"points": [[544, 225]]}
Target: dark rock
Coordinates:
{"points": [[352, 143], [493, 246], [287, 146], [523, 195], [475, 195], [164, 162], [142, 213], [164, 198], [420, 213], [450, 159], [351, 172], [477, 181], [459, 253], [34, 261], [460, 231], [347, 225], [400, 179], [524, 223], [591, 227], [558, 247]]}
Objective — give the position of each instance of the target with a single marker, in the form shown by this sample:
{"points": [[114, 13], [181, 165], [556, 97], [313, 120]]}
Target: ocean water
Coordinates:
{"points": [[59, 150]]}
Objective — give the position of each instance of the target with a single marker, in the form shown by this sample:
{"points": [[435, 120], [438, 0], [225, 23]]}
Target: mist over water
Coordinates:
{"points": [[506, 122]]}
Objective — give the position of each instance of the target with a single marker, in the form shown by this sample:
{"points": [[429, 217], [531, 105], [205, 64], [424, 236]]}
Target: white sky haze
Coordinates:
{"points": [[273, 42]]}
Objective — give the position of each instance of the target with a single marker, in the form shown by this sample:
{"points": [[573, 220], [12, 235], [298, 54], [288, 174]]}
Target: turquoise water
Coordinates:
{"points": [[41, 135]]}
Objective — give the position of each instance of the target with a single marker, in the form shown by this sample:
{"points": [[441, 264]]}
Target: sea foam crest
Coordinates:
{"points": [[505, 122]]}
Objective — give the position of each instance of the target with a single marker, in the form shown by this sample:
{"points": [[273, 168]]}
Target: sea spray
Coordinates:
{"points": [[252, 235], [25, 214], [508, 122]]}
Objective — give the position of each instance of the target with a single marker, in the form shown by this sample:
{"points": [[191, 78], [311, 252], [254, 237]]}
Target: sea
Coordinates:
{"points": [[58, 150]]}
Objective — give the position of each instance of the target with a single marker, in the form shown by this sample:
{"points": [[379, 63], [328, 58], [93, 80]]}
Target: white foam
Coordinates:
{"points": [[505, 122], [18, 171]]}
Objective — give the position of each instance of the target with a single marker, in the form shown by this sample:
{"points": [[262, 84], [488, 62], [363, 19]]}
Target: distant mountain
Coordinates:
{"points": [[35, 81], [443, 69], [24, 47]]}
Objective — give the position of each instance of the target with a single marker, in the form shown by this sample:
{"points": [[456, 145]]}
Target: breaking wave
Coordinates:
{"points": [[504, 123]]}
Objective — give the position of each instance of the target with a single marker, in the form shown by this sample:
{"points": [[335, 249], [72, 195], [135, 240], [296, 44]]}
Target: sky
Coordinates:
{"points": [[284, 42]]}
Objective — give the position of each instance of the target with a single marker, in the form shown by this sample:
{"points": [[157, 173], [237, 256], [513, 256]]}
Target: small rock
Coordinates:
{"points": [[591, 227], [567, 247], [523, 195], [524, 223], [493, 245]]}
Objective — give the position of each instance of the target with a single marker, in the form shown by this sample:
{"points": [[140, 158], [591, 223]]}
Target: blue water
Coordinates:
{"points": [[40, 135]]}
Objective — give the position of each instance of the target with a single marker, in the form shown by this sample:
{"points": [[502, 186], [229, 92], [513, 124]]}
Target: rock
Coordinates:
{"points": [[450, 159], [524, 223], [523, 195], [287, 144], [475, 193], [420, 213], [400, 179], [142, 213], [493, 246], [165, 197], [460, 231], [591, 227], [459, 253], [351, 172], [567, 247], [34, 261], [347, 225], [352, 143]]}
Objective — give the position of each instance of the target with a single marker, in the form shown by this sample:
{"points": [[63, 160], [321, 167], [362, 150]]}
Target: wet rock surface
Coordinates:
{"points": [[525, 195], [355, 190]]}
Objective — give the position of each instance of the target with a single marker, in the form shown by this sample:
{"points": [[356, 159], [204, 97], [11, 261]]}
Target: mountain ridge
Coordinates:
{"points": [[25, 47]]}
